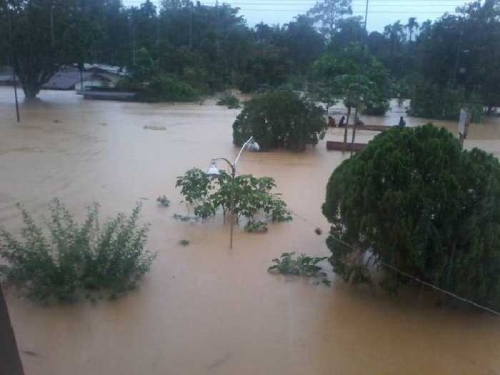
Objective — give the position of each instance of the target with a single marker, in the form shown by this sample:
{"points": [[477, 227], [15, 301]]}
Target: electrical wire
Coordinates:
{"points": [[403, 273]]}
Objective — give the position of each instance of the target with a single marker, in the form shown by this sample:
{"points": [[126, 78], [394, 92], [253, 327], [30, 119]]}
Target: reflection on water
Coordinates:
{"points": [[205, 309]]}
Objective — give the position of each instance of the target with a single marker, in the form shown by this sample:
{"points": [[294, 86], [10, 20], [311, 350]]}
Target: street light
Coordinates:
{"points": [[213, 171]]}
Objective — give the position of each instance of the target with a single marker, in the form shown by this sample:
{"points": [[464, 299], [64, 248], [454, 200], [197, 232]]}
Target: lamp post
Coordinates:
{"points": [[213, 171]]}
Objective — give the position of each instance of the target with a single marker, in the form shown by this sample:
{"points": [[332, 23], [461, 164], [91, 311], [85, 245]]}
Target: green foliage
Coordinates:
{"points": [[229, 100], [352, 75], [256, 227], [415, 200], [376, 109], [430, 101], [280, 119], [252, 196], [328, 13], [45, 37], [161, 88], [301, 265], [67, 259]]}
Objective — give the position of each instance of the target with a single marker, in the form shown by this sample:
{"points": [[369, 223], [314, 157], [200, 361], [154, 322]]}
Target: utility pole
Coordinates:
{"points": [[157, 32], [52, 37], [366, 16], [190, 26], [13, 63], [132, 26]]}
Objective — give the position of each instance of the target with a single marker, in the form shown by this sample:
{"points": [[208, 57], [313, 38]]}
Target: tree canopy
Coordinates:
{"points": [[206, 48], [415, 200], [339, 76], [43, 36], [279, 119]]}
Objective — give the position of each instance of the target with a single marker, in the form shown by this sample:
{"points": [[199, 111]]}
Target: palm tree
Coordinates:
{"points": [[395, 34], [412, 25]]}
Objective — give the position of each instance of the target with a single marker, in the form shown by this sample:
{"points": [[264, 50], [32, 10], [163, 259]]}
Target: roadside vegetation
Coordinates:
{"points": [[229, 100], [415, 200], [254, 200], [183, 50], [63, 260], [302, 265], [280, 119]]}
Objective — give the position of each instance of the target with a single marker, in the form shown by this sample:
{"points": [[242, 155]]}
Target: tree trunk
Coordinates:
{"points": [[346, 126], [489, 112], [354, 129], [31, 89]]}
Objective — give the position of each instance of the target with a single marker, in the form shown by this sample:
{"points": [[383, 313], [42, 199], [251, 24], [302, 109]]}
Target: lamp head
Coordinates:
{"points": [[253, 146], [213, 171]]}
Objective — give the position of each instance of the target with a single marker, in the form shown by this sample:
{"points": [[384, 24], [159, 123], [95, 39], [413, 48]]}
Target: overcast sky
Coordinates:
{"points": [[380, 12]]}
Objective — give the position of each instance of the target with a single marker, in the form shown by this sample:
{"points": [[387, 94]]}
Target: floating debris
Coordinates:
{"points": [[153, 127], [163, 200]]}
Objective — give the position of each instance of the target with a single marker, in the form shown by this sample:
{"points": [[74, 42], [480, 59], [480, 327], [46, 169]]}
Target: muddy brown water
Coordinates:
{"points": [[206, 309]]}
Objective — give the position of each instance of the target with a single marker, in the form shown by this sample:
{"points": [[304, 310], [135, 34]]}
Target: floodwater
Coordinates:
{"points": [[206, 309]]}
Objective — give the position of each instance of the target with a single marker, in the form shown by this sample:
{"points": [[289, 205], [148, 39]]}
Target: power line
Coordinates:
{"points": [[275, 2], [353, 13], [407, 275]]}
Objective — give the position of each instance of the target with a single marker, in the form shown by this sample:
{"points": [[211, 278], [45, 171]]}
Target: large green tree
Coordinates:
{"points": [[331, 77], [415, 200], [280, 119], [459, 54], [45, 35], [327, 14], [411, 26]]}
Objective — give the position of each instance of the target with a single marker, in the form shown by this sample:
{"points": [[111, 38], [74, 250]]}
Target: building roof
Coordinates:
{"points": [[105, 68], [69, 79]]}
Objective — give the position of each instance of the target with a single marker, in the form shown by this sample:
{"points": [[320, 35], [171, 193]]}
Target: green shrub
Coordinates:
{"points": [[161, 88], [376, 109], [229, 100], [301, 265], [413, 199], [252, 196], [256, 226], [431, 101], [280, 119], [66, 259]]}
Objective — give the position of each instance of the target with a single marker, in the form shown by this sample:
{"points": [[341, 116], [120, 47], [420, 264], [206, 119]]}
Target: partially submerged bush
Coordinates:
{"points": [[280, 119], [376, 109], [229, 100], [413, 199], [256, 227], [302, 265], [163, 201], [431, 101], [252, 196], [66, 259], [161, 88]]}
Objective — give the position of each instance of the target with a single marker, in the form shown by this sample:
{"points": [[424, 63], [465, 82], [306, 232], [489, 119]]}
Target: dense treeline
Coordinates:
{"points": [[183, 49]]}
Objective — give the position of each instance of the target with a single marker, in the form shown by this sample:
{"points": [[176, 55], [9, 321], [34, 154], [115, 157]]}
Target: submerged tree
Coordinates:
{"points": [[44, 36], [245, 196], [280, 119], [330, 73], [414, 200], [327, 13]]}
